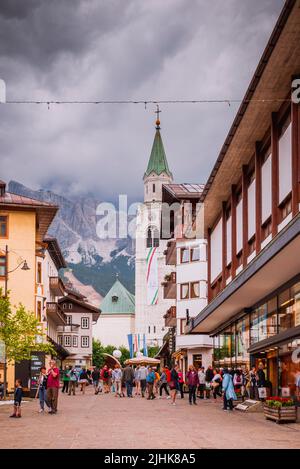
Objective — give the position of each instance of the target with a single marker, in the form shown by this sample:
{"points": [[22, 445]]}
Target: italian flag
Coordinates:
{"points": [[152, 277]]}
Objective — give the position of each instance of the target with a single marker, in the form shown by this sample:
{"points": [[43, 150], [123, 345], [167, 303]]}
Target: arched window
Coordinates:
{"points": [[152, 237]]}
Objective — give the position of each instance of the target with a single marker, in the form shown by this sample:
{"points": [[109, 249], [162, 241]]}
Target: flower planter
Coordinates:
{"points": [[281, 414]]}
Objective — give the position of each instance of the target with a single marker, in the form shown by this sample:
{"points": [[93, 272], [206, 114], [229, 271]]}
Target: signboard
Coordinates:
{"points": [[37, 360]]}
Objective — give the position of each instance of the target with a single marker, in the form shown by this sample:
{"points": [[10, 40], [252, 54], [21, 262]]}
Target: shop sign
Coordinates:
{"points": [[37, 360]]}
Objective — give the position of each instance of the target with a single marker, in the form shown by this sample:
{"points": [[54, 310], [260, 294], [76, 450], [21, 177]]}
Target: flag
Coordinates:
{"points": [[152, 277], [130, 343], [145, 346]]}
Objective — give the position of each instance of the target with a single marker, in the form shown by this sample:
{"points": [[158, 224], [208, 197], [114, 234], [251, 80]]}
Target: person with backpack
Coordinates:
{"points": [[73, 381], [150, 383]]}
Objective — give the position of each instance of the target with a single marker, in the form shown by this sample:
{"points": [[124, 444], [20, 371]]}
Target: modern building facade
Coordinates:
{"points": [[252, 223], [150, 268], [117, 317]]}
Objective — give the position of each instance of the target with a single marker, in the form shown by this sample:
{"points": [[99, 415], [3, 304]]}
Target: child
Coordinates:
{"points": [[17, 400]]}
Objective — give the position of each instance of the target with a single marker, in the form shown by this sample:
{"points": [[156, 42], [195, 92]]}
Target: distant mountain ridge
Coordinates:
{"points": [[93, 261]]}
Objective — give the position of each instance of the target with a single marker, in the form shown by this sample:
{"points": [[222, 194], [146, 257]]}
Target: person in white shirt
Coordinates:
{"points": [[117, 380]]}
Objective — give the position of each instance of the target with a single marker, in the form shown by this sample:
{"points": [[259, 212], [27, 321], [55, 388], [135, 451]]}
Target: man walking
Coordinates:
{"points": [[52, 387], [143, 376], [202, 382], [117, 380], [73, 381], [164, 385], [150, 383], [128, 378]]}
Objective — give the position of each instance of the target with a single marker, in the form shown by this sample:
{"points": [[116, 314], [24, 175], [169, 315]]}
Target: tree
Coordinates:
{"points": [[153, 351], [20, 333]]}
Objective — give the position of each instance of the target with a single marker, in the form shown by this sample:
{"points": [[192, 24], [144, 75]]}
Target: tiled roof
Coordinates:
{"points": [[13, 199], [118, 300]]}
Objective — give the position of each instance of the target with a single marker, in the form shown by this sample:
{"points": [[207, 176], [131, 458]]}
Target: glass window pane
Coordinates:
{"points": [[195, 290], [184, 255], [195, 254]]}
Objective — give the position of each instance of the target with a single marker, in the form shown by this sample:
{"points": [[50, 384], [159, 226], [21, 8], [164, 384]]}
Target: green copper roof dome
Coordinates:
{"points": [[118, 300], [158, 161]]}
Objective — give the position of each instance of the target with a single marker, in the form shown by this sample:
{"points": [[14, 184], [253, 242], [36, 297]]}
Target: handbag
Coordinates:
{"points": [[172, 385]]}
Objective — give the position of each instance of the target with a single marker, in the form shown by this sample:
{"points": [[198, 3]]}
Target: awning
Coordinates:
{"points": [[164, 350], [179, 354]]}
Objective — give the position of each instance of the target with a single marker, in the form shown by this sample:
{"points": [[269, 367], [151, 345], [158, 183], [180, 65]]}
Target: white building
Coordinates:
{"points": [[150, 267], [117, 317], [187, 254]]}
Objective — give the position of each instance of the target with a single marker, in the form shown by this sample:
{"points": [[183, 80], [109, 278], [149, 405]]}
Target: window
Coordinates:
{"points": [[195, 290], [184, 291], [184, 255], [114, 299], [70, 305], [84, 323], [2, 266], [182, 326], [67, 340], [39, 311], [65, 306], [266, 229], [153, 188], [85, 341], [195, 254], [60, 339], [75, 341], [39, 273], [69, 319], [149, 329], [3, 226], [152, 237]]}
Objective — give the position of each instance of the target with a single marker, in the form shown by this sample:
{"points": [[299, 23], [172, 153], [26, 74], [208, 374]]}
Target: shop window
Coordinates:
{"points": [[3, 226], [289, 308], [195, 290], [264, 322], [289, 370], [195, 254], [184, 291], [242, 341], [184, 255]]}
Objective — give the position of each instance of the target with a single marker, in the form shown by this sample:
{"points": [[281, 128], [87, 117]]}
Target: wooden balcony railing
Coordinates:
{"points": [[170, 317], [170, 286], [56, 286], [170, 253], [54, 312]]}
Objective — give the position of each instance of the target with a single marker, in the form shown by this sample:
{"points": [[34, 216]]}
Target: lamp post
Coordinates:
{"points": [[25, 266]]}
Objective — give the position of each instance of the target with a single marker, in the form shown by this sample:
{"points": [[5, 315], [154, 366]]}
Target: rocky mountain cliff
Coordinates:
{"points": [[93, 261]]}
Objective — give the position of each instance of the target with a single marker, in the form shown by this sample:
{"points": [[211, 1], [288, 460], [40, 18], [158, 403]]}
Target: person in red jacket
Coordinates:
{"points": [[192, 381], [168, 374]]}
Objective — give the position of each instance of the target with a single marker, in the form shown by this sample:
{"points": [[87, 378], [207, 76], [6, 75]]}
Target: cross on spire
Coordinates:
{"points": [[157, 112]]}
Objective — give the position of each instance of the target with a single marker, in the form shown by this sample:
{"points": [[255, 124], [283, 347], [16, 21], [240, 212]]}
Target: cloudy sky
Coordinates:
{"points": [[120, 50]]}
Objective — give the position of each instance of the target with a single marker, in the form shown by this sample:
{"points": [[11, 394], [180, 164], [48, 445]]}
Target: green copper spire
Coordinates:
{"points": [[158, 161]]}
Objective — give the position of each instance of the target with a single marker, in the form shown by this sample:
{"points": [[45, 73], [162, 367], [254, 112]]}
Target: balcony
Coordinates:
{"points": [[56, 286], [170, 317], [68, 328], [56, 314], [170, 286], [170, 253]]}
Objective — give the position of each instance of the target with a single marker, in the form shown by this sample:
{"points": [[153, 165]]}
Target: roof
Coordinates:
{"points": [[44, 210], [184, 191], [270, 85], [84, 304], [55, 252], [158, 161], [118, 300]]}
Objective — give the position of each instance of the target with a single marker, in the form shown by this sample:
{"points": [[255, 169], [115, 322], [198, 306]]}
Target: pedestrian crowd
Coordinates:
{"points": [[146, 382]]}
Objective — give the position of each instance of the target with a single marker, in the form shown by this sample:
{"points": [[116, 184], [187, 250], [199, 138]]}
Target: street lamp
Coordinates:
{"points": [[25, 266]]}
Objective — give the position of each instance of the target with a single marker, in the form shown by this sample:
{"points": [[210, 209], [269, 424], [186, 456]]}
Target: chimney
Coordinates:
{"points": [[2, 188]]}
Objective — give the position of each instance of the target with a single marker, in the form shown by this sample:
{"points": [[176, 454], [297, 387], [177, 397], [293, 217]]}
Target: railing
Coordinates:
{"points": [[170, 317], [56, 313], [170, 286], [56, 285], [170, 253]]}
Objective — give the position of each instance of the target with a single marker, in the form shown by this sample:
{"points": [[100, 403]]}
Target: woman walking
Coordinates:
{"points": [[174, 384], [216, 384], [66, 379], [193, 381], [180, 383], [117, 380], [42, 388], [137, 381], [228, 389], [163, 384], [83, 380]]}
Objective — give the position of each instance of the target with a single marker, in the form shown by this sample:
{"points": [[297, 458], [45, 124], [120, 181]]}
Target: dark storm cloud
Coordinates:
{"points": [[122, 49]]}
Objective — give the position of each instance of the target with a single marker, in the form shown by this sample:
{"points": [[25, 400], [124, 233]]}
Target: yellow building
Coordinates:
{"points": [[23, 226]]}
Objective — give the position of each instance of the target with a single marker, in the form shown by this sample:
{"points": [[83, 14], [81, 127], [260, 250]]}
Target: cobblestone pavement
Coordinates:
{"points": [[104, 421]]}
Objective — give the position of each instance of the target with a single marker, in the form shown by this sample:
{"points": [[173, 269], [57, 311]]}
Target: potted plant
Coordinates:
{"points": [[280, 409]]}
